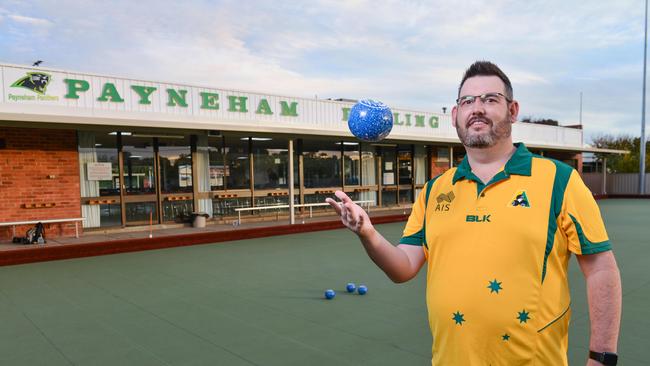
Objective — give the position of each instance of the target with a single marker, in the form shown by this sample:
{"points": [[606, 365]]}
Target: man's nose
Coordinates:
{"points": [[478, 107]]}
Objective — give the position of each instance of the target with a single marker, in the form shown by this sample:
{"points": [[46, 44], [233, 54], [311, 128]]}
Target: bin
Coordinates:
{"points": [[199, 219]]}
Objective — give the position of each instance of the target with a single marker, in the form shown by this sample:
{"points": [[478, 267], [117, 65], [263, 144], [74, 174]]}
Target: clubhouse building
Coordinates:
{"points": [[121, 152]]}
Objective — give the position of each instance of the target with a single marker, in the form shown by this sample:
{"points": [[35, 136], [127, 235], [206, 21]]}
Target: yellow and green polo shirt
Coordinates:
{"points": [[497, 257]]}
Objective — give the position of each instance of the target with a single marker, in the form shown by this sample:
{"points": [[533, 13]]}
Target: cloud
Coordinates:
{"points": [[37, 22], [605, 123], [526, 78]]}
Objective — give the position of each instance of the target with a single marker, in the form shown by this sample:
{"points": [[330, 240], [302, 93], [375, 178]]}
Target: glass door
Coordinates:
{"points": [[175, 167], [140, 204], [389, 176], [99, 179], [405, 174]]}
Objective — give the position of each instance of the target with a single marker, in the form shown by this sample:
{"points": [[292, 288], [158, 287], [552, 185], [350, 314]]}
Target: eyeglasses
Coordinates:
{"points": [[487, 98]]}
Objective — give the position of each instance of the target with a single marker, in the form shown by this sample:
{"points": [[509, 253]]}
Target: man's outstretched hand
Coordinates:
{"points": [[352, 215]]}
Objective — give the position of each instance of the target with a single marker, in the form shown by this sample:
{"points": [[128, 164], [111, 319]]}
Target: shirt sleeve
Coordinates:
{"points": [[414, 231], [581, 220]]}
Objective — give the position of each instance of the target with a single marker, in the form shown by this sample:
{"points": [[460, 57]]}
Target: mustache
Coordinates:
{"points": [[473, 120]]}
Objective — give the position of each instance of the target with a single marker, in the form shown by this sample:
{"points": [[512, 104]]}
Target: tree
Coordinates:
{"points": [[540, 121], [627, 163]]}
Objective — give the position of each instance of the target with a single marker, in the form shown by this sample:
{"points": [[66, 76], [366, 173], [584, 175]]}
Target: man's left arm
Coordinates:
{"points": [[604, 295], [587, 237]]}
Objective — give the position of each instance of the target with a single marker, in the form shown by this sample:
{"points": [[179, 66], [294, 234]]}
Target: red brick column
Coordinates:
{"points": [[39, 179], [578, 158]]}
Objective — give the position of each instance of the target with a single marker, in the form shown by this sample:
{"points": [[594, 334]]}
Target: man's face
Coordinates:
{"points": [[483, 124]]}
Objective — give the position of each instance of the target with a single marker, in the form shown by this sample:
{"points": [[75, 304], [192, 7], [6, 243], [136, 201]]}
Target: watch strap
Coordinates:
{"points": [[606, 358]]}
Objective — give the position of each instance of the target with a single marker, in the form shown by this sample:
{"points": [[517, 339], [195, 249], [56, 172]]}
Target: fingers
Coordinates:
{"points": [[348, 211], [335, 205], [339, 206], [342, 196]]}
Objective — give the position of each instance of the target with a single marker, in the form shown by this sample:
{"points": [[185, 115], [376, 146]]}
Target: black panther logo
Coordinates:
{"points": [[34, 81]]}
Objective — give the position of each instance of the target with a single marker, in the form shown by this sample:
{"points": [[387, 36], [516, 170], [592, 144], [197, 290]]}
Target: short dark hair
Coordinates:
{"points": [[486, 68]]}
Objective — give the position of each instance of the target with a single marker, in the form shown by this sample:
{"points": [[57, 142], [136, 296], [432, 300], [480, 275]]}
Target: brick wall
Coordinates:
{"points": [[39, 167]]}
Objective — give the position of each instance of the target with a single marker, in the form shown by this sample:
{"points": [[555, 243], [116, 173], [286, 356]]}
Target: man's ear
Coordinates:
{"points": [[454, 113], [514, 111]]}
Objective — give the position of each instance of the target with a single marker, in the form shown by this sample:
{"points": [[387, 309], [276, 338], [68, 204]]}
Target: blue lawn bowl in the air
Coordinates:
{"points": [[370, 120], [329, 294], [350, 287]]}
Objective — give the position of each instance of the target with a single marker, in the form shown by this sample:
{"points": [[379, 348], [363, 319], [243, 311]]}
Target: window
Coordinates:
{"points": [[459, 155], [237, 163], [175, 165], [271, 162], [139, 171], [322, 163], [368, 166], [439, 159], [217, 163], [352, 163], [405, 164]]}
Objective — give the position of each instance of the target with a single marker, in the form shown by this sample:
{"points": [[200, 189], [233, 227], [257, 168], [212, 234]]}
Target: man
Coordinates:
{"points": [[497, 233]]}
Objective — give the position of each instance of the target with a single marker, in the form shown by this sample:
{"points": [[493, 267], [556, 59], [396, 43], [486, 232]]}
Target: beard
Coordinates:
{"points": [[484, 139]]}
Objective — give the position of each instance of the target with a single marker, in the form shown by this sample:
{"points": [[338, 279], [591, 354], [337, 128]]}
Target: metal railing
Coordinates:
{"points": [[50, 221], [310, 205]]}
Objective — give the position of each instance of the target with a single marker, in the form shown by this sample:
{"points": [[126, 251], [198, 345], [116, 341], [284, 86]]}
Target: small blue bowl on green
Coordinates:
{"points": [[350, 287], [362, 290], [329, 294]]}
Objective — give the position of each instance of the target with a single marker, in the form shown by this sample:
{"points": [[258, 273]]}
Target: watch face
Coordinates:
{"points": [[610, 358]]}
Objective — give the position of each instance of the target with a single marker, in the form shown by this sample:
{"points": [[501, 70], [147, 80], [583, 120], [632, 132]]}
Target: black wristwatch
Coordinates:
{"points": [[606, 358]]}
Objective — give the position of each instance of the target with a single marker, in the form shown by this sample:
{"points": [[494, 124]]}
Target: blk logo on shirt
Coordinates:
{"points": [[477, 218]]}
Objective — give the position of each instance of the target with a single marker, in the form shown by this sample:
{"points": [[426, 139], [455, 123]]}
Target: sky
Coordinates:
{"points": [[408, 54]]}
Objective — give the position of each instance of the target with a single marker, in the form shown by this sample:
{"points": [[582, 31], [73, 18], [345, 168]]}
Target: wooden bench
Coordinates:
{"points": [[32, 222]]}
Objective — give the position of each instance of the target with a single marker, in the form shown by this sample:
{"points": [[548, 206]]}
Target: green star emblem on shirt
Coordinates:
{"points": [[495, 286], [505, 337], [458, 318], [523, 316]]}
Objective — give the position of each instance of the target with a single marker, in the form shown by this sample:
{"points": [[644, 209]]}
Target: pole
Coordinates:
{"points": [[604, 190], [580, 108], [643, 137], [292, 217]]}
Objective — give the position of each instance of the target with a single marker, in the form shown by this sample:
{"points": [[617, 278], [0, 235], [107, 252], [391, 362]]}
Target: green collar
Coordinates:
{"points": [[520, 163]]}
